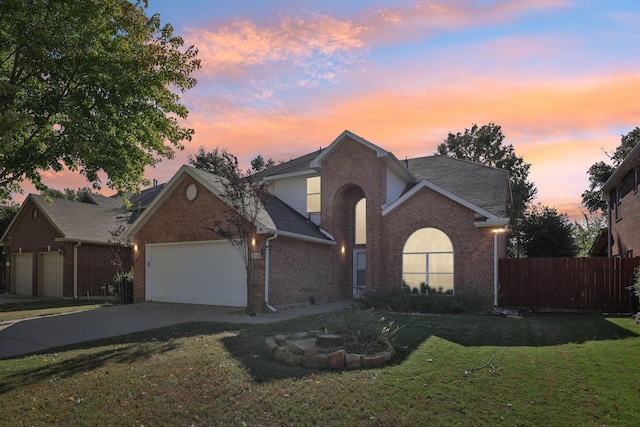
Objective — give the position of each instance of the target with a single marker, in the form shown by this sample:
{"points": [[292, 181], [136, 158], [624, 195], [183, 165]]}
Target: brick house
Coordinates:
{"points": [[347, 219], [65, 248], [623, 217]]}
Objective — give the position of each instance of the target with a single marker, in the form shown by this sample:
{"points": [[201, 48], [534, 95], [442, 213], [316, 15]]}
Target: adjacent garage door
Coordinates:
{"points": [[22, 273], [196, 273], [51, 270]]}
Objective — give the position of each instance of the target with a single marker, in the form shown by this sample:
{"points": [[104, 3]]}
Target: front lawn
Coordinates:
{"points": [[562, 370]]}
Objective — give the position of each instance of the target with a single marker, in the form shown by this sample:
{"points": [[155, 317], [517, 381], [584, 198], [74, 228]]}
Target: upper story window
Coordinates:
{"points": [[313, 194], [361, 222]]}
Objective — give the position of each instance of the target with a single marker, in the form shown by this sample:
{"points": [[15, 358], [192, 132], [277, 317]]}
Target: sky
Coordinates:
{"points": [[282, 78]]}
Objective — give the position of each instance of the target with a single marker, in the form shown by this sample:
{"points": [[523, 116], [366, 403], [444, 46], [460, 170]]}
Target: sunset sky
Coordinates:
{"points": [[282, 77]]}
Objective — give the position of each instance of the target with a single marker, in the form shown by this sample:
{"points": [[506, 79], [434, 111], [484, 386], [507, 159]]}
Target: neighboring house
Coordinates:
{"points": [[341, 221], [65, 248], [621, 191]]}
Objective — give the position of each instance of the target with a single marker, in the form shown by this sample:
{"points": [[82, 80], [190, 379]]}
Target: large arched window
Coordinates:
{"points": [[427, 262]]}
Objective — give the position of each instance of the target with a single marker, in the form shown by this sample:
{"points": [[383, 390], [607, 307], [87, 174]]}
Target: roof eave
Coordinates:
{"points": [[297, 236], [619, 173]]}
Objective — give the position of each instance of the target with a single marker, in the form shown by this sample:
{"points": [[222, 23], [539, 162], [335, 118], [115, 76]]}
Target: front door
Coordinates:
{"points": [[359, 272]]}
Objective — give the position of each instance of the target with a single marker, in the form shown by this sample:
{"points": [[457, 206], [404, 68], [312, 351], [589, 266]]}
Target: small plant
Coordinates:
{"points": [[119, 285], [635, 293], [401, 301], [364, 331]]}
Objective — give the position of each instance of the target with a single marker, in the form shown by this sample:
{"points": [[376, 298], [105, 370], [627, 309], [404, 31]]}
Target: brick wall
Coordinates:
{"points": [[299, 270], [178, 219], [350, 172], [626, 230], [472, 247], [37, 235]]}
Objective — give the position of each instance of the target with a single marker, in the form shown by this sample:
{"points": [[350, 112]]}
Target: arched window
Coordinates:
{"points": [[427, 262], [361, 222]]}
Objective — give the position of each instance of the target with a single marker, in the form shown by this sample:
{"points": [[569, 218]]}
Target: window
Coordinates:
{"points": [[361, 222], [427, 262], [618, 193], [313, 194]]}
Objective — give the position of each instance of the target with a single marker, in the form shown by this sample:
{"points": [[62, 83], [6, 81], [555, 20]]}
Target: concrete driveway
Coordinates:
{"points": [[42, 333]]}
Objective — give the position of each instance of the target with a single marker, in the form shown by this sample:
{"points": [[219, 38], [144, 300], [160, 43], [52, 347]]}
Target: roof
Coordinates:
{"points": [[293, 166], [277, 217], [480, 185], [80, 222], [621, 171]]}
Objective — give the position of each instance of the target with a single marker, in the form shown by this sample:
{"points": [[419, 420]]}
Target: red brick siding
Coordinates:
{"points": [[37, 235], [626, 230], [178, 219], [299, 270], [472, 247], [348, 172]]}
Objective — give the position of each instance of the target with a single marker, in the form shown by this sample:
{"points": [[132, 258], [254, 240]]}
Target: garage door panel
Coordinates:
{"points": [[52, 274], [198, 273], [22, 273]]}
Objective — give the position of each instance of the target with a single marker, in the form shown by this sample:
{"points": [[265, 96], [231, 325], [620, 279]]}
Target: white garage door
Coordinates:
{"points": [[196, 273], [51, 274], [22, 273]]}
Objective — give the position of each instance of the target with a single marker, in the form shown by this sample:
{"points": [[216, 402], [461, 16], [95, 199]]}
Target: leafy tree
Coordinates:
{"points": [[246, 201], [585, 233], [600, 172], [7, 213], [87, 85], [214, 161], [546, 233], [484, 145], [67, 193]]}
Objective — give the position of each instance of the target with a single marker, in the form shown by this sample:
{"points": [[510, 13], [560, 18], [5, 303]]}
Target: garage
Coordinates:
{"points": [[50, 274], [22, 273], [211, 273]]}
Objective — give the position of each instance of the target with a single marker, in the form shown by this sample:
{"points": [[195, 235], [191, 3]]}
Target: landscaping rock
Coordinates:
{"points": [[291, 358], [352, 361], [278, 354], [280, 339], [375, 360], [335, 360], [270, 346], [318, 361], [298, 347], [312, 351]]}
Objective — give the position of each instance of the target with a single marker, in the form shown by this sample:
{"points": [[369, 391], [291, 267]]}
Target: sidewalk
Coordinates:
{"points": [[41, 333]]}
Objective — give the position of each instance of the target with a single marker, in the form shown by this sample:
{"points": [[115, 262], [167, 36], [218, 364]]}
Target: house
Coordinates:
{"points": [[71, 249], [347, 219], [623, 217]]}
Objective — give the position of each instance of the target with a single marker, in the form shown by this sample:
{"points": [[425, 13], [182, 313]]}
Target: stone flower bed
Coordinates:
{"points": [[318, 350]]}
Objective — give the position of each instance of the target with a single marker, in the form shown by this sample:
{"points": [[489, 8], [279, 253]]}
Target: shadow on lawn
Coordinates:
{"points": [[246, 342]]}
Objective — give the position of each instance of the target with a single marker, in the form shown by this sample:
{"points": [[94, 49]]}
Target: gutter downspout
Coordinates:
{"points": [[495, 269], [75, 270], [266, 274]]}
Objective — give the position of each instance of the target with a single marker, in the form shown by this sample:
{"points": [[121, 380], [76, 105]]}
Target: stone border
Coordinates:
{"points": [[302, 349]]}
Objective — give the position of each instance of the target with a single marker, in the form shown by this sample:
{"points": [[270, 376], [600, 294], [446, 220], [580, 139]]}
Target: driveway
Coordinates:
{"points": [[42, 333]]}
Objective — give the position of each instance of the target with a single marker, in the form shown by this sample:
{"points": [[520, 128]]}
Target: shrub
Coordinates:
{"points": [[121, 283], [466, 301], [363, 331]]}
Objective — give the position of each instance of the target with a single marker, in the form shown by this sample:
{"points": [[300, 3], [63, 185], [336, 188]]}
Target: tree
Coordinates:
{"points": [[585, 233], [67, 193], [547, 233], [246, 201], [600, 172], [7, 213], [484, 145], [88, 86], [214, 162]]}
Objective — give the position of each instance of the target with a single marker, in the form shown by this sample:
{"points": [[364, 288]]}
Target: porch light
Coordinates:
{"points": [[253, 241], [135, 247], [61, 251], [343, 249]]}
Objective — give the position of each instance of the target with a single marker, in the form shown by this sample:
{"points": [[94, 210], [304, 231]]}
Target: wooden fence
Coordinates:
{"points": [[590, 284]]}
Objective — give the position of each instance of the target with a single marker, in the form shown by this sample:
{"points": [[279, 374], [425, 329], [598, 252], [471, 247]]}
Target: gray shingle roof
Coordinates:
{"points": [[79, 221], [295, 165], [288, 219], [483, 186]]}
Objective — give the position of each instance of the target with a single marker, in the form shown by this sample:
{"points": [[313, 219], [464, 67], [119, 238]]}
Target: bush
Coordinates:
{"points": [[467, 301], [363, 331], [122, 285]]}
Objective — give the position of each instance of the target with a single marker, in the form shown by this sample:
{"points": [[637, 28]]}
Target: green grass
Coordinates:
{"points": [[44, 307], [561, 370]]}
